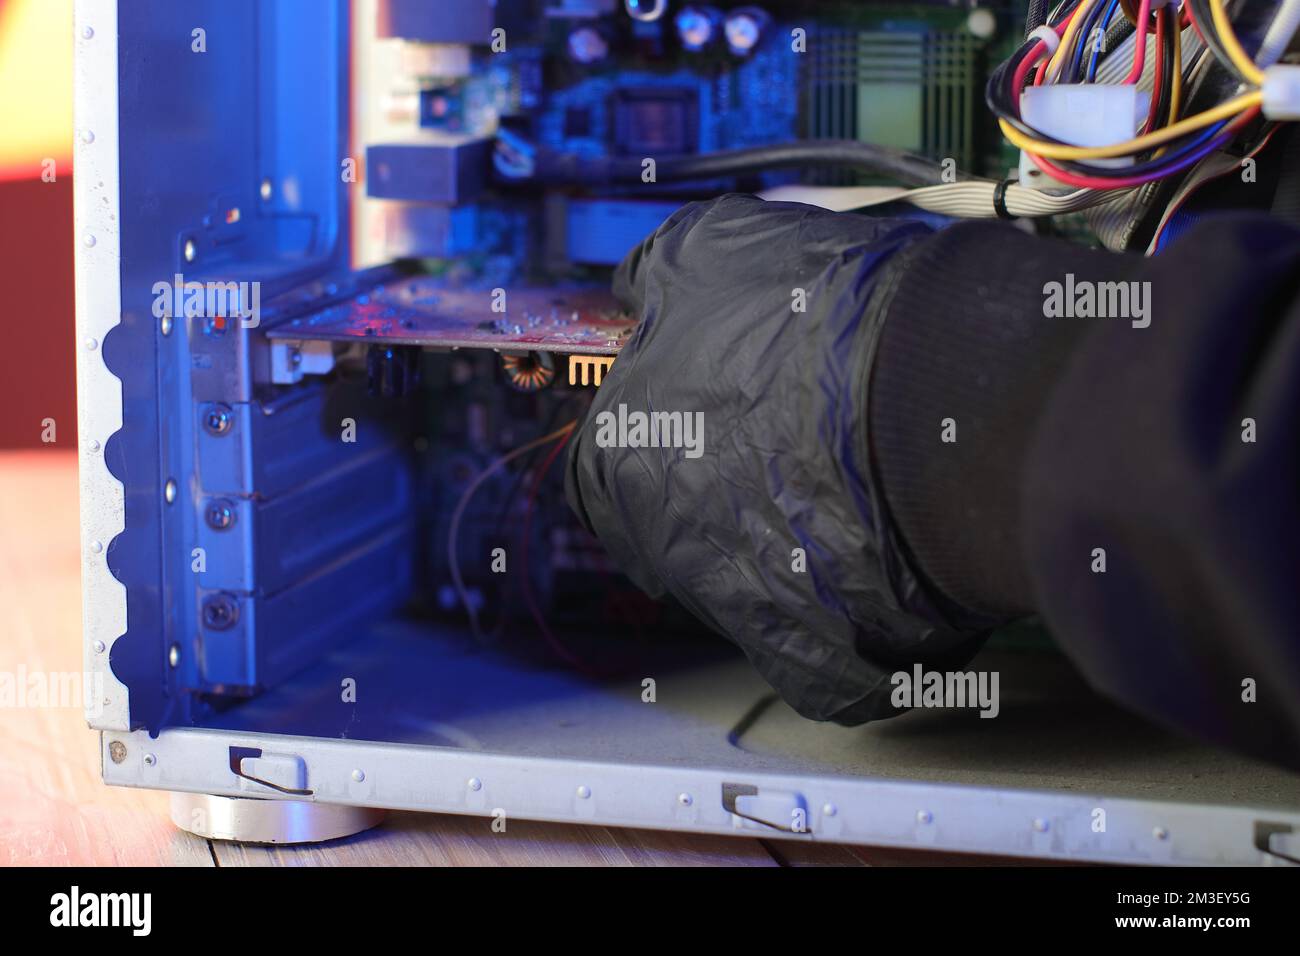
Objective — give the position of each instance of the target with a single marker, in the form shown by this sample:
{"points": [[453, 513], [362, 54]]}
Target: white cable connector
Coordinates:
{"points": [[1281, 89]]}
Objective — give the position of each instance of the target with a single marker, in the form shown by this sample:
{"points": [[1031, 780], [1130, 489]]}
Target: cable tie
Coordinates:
{"points": [[1000, 200]]}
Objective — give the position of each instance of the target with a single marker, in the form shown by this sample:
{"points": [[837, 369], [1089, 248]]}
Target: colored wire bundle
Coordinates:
{"points": [[1167, 142]]}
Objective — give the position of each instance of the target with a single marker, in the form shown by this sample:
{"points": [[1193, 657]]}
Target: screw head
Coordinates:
{"points": [[92, 344], [99, 647], [475, 784], [685, 799], [218, 419], [150, 760], [169, 491], [829, 810], [88, 240], [220, 514], [220, 612], [190, 250], [96, 547], [924, 816], [174, 655], [1160, 833], [166, 325], [87, 32], [584, 792], [358, 775], [1041, 825], [266, 190]]}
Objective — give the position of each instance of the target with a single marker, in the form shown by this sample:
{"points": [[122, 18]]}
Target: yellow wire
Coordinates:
{"points": [[1244, 64], [1067, 42], [1138, 144]]}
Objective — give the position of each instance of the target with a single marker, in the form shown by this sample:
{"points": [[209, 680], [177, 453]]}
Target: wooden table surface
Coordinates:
{"points": [[55, 810]]}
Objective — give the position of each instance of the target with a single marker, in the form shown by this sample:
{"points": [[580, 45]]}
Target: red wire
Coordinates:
{"points": [[1140, 49], [1157, 81], [1190, 18]]}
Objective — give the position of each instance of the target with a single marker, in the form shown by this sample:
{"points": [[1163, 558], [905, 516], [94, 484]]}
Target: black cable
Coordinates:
{"points": [[555, 168], [1036, 16]]}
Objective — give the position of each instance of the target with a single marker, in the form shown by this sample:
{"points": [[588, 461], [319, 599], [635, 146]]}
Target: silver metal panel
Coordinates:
{"points": [[99, 308], [1057, 775]]}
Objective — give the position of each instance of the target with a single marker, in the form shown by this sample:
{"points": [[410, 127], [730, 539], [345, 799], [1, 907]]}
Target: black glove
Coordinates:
{"points": [[760, 320]]}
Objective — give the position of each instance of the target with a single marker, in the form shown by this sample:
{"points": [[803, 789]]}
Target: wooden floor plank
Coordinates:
{"points": [[423, 839], [54, 808]]}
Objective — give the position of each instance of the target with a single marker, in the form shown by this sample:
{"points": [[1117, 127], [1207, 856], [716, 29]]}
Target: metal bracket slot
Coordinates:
{"points": [[744, 801], [237, 757], [1269, 837]]}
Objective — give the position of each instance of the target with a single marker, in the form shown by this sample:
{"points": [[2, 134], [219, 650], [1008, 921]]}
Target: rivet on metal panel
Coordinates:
{"points": [[218, 419], [220, 514]]}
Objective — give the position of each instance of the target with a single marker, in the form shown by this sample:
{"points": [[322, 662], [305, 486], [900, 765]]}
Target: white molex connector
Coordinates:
{"points": [[1081, 114], [1281, 89]]}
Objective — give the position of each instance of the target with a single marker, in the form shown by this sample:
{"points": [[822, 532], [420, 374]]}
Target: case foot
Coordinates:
{"points": [[251, 820]]}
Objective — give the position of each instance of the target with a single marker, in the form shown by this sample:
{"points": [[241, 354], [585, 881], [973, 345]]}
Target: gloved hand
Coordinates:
{"points": [[759, 321], [825, 526]]}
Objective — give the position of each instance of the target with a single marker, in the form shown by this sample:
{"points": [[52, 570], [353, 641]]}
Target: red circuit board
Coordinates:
{"points": [[423, 311]]}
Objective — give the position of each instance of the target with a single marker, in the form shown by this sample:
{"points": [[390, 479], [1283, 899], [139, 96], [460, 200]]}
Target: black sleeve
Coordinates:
{"points": [[1170, 448]]}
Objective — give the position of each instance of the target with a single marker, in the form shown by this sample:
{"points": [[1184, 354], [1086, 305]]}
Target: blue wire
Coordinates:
{"points": [[1105, 25], [1076, 56]]}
